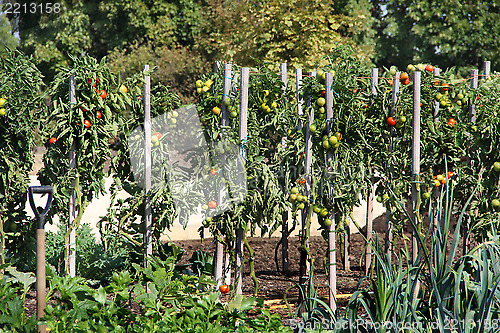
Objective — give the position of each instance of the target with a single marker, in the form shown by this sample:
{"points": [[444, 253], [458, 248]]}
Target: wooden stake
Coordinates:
{"points": [[436, 190], [284, 216], [304, 264], [219, 248], [71, 263], [148, 219], [371, 193], [332, 262], [472, 114], [388, 230], [244, 74], [415, 189]]}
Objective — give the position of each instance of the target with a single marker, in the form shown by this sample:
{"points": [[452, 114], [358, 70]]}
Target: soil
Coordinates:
{"points": [[274, 286]]}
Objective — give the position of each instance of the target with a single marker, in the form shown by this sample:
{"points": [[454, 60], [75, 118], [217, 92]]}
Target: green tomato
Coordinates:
{"points": [[496, 166], [333, 140], [328, 222], [393, 70], [324, 212]]}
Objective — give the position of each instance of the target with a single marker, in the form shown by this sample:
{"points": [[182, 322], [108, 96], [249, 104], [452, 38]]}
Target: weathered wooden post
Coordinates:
{"points": [[332, 259], [244, 77], [148, 219], [371, 193]]}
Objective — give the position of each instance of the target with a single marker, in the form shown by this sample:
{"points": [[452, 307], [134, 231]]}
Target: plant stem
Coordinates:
{"points": [[2, 244], [251, 262], [76, 222]]}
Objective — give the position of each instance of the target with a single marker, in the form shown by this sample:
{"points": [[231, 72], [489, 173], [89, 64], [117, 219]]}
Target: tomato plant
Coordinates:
{"points": [[22, 114], [79, 130]]}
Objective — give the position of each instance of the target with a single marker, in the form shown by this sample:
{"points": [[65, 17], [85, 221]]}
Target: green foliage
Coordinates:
{"points": [[8, 40], [297, 32], [172, 303], [94, 262], [450, 33], [22, 113]]}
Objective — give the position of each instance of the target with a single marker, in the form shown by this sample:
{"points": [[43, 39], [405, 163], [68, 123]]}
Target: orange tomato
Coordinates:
{"points": [[212, 204], [102, 93], [224, 288]]}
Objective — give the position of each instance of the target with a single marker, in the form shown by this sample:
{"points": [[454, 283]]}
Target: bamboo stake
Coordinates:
{"points": [[148, 219], [71, 259], [332, 262], [243, 137]]}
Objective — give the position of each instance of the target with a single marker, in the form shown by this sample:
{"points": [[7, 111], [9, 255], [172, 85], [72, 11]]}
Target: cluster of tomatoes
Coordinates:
{"points": [[3, 101], [297, 200], [443, 179], [331, 142], [232, 107], [398, 123], [202, 88], [266, 104]]}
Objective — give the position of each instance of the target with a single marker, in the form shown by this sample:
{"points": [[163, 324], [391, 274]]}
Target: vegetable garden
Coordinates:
{"points": [[423, 142]]}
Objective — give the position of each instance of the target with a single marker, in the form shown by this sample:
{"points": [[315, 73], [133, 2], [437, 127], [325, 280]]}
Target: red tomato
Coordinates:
{"points": [[212, 204], [102, 93], [52, 140], [86, 123], [158, 135], [391, 121], [213, 172], [429, 68], [98, 115], [95, 83], [224, 288]]}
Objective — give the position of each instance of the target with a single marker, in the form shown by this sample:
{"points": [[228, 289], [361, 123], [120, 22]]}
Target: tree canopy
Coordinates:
{"points": [[184, 37]]}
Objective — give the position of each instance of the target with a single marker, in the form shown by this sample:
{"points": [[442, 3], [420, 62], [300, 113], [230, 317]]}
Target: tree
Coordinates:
{"points": [[7, 40], [447, 33], [298, 32]]}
